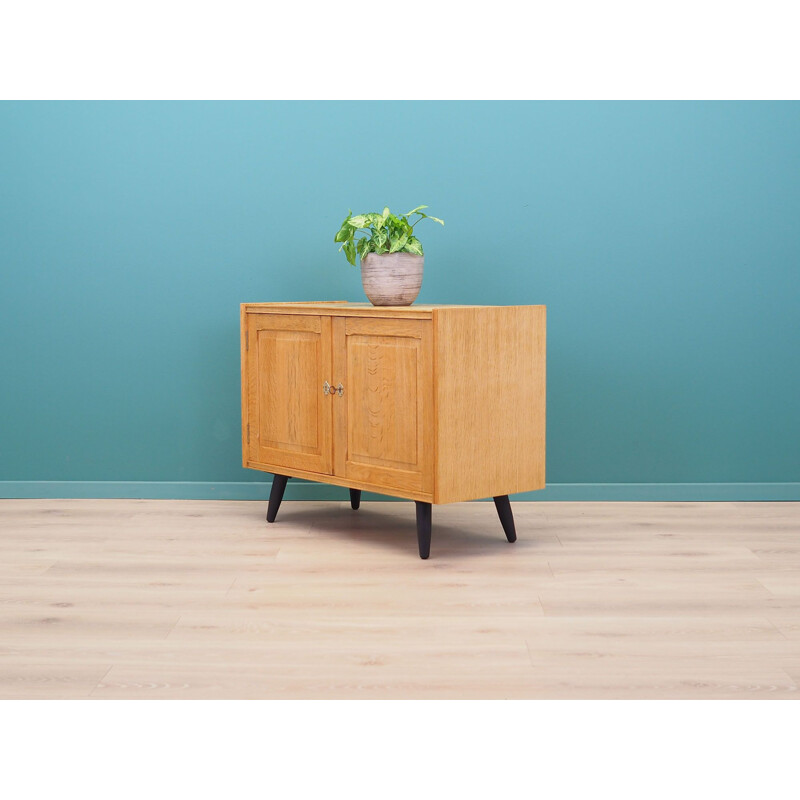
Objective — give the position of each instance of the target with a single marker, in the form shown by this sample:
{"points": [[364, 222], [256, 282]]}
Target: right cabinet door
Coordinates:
{"points": [[383, 422]]}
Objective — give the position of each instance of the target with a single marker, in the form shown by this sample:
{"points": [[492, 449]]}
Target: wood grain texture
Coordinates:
{"points": [[342, 309], [287, 360], [382, 395], [200, 599], [244, 341], [384, 422], [339, 480], [490, 401]]}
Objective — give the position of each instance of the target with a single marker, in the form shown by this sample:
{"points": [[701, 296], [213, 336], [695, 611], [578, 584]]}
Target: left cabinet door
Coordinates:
{"points": [[286, 361]]}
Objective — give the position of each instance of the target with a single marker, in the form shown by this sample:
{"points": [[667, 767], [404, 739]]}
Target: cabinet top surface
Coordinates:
{"points": [[358, 309]]}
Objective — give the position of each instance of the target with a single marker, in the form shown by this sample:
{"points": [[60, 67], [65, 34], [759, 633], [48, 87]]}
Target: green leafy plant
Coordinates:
{"points": [[382, 233]]}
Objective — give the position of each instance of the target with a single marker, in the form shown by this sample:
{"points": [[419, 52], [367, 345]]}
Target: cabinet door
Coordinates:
{"points": [[383, 422], [288, 358]]}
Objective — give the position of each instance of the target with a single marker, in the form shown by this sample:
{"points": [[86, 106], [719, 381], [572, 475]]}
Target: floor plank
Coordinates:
{"points": [[203, 599]]}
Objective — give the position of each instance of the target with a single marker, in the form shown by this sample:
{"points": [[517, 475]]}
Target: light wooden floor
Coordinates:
{"points": [[174, 599]]}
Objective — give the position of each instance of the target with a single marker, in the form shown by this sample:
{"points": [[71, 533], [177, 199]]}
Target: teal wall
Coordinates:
{"points": [[663, 237]]}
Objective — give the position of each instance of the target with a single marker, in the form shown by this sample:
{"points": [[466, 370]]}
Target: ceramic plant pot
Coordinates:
{"points": [[392, 279]]}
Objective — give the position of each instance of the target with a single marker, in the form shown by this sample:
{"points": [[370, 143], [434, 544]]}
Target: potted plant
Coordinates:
{"points": [[391, 255]]}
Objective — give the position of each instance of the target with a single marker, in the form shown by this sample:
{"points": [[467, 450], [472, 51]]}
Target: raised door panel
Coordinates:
{"points": [[288, 360], [384, 419]]}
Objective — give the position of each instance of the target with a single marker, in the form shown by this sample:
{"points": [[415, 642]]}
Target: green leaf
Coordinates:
{"points": [[386, 213], [344, 233], [425, 216], [363, 246], [350, 251], [399, 244], [360, 221], [379, 239], [413, 245], [415, 211]]}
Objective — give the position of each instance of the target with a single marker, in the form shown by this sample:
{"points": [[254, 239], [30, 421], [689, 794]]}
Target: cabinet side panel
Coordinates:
{"points": [[490, 401]]}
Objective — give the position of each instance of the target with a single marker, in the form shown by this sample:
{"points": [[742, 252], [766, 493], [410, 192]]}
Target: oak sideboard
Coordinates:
{"points": [[433, 403]]}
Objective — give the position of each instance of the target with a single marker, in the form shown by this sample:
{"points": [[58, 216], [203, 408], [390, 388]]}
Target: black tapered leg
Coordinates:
{"points": [[424, 528], [355, 498], [275, 496], [503, 506]]}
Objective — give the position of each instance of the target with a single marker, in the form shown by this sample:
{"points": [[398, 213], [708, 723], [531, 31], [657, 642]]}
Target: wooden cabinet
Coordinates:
{"points": [[432, 403]]}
